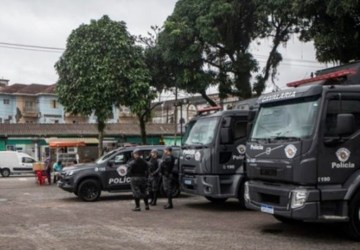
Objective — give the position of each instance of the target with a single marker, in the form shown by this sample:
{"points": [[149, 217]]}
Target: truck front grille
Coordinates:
{"points": [[188, 169], [268, 198], [268, 171]]}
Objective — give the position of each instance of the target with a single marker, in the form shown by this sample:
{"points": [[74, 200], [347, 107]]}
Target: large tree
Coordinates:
{"points": [[159, 78], [100, 67], [208, 42], [279, 23], [333, 26]]}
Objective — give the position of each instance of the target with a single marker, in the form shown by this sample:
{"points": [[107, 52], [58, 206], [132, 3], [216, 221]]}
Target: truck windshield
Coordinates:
{"points": [[201, 131], [290, 120]]}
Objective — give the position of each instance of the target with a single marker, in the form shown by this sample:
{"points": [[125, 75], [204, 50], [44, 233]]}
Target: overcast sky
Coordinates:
{"points": [[49, 23]]}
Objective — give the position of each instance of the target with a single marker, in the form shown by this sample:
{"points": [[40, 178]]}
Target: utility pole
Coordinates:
{"points": [[175, 113]]}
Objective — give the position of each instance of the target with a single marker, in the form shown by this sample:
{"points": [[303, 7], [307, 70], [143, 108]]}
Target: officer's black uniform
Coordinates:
{"points": [[167, 166], [154, 179], [138, 171]]}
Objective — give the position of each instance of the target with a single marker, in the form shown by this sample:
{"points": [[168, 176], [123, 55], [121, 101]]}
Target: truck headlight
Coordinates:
{"points": [[246, 192], [298, 198]]}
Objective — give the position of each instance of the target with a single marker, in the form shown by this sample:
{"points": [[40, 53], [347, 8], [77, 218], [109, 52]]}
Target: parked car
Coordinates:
{"points": [[108, 173], [15, 162]]}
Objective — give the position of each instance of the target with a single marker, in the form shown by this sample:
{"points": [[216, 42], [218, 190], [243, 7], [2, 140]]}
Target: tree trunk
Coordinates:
{"points": [[142, 129], [101, 127], [208, 99]]}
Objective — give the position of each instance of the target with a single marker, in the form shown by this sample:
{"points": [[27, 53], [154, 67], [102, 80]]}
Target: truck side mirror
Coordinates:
{"points": [[345, 124], [252, 115], [226, 136]]}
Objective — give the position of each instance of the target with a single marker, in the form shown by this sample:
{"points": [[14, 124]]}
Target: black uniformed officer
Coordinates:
{"points": [[138, 171], [167, 166], [154, 176]]}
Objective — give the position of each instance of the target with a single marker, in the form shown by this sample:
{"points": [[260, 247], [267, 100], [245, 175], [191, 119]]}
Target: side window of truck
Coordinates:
{"points": [[240, 129], [345, 106]]}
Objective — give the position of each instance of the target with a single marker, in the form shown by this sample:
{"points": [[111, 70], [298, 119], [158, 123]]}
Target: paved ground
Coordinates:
{"points": [[45, 217]]}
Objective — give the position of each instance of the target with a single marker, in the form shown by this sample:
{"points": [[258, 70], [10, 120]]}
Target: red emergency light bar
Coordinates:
{"points": [[332, 75], [209, 109]]}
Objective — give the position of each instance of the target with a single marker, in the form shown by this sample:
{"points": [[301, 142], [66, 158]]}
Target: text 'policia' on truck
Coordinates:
{"points": [[303, 154], [212, 162]]}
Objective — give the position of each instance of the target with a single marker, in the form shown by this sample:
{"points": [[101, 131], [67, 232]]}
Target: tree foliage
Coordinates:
{"points": [[208, 42], [100, 67], [279, 23], [333, 26]]}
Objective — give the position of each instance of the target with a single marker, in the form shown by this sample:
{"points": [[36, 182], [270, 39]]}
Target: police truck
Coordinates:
{"points": [[212, 161], [303, 154]]}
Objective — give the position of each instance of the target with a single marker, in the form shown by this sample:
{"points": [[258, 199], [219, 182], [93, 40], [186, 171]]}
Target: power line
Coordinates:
{"points": [[51, 49], [31, 46], [29, 49]]}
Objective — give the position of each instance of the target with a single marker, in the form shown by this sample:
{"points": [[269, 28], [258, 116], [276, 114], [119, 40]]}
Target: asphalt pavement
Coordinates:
{"points": [[46, 217]]}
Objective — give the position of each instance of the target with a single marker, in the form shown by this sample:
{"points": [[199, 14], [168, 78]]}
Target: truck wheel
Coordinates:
{"points": [[353, 226], [286, 220], [5, 172], [241, 196], [89, 190], [216, 200]]}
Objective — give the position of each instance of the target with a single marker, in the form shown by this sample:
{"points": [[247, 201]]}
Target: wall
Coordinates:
{"points": [[7, 110], [28, 115], [49, 113]]}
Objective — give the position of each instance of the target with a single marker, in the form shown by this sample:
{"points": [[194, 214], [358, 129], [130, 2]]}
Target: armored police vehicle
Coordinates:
{"points": [[303, 153], [109, 173], [212, 163]]}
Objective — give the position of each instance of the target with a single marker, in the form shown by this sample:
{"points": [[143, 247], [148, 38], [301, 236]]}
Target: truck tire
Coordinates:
{"points": [[241, 196], [5, 172], [89, 190], [216, 200], [353, 226]]}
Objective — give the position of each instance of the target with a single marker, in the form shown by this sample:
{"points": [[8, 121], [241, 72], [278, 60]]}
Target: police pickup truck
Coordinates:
{"points": [[109, 173]]}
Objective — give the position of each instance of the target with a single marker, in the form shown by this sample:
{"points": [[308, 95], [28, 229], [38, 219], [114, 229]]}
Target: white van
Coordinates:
{"points": [[15, 162]]}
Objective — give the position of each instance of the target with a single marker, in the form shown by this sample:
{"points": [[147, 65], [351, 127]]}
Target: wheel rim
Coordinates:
{"points": [[6, 172], [90, 192]]}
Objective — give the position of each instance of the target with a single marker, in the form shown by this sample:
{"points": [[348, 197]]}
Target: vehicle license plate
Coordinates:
{"points": [[187, 182], [267, 209]]}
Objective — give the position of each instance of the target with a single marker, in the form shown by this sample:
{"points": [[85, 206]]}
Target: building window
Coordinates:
{"points": [[54, 104], [0, 120], [29, 106], [6, 101]]}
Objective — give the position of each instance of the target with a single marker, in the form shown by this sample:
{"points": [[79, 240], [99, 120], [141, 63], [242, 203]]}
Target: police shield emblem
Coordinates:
{"points": [[122, 170], [241, 149], [343, 154]]}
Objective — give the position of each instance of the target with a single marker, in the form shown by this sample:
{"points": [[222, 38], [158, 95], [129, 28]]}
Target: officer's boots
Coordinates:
{"points": [[137, 205], [146, 201], [169, 205], [153, 202], [151, 195]]}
